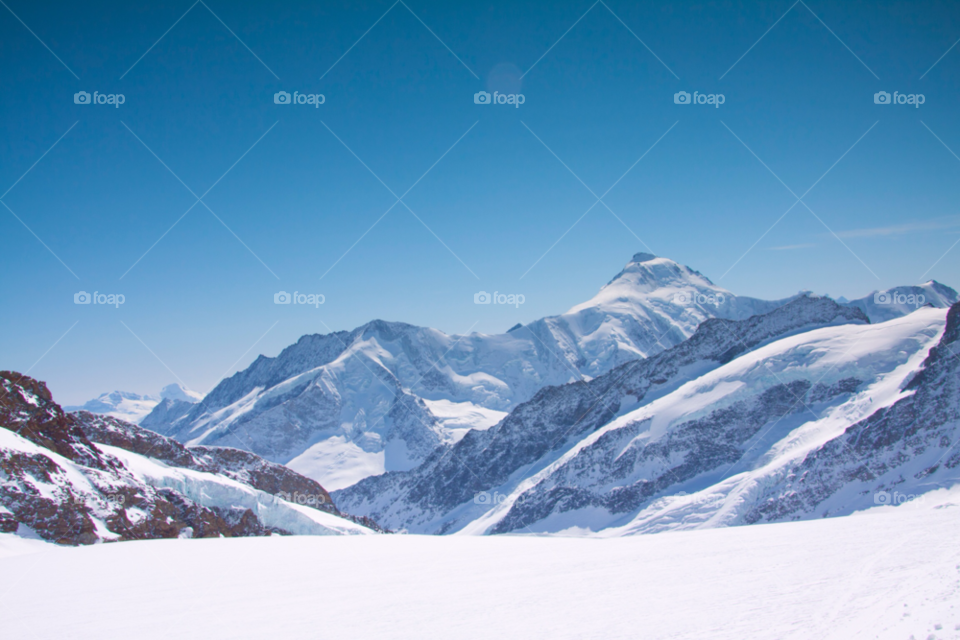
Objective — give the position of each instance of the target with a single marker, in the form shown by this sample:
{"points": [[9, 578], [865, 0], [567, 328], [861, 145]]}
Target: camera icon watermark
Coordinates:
{"points": [[485, 497], [516, 99], [695, 297], [916, 99], [315, 299], [115, 299], [716, 99], [316, 99], [482, 297], [116, 99], [885, 298], [895, 498]]}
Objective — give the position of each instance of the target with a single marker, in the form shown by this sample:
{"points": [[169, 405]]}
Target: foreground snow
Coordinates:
{"points": [[890, 572]]}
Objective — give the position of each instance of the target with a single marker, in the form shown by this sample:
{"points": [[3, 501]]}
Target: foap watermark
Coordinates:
{"points": [[282, 297], [916, 99], [282, 97], [115, 499], [482, 297], [885, 497], [82, 297], [716, 99], [516, 99], [306, 499], [917, 300], [116, 99], [485, 497], [696, 297]]}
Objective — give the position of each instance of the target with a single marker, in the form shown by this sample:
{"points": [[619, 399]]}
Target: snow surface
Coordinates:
{"points": [[457, 418], [889, 572], [337, 463]]}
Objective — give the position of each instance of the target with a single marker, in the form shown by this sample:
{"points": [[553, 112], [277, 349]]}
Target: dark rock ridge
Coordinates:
{"points": [[56, 481]]}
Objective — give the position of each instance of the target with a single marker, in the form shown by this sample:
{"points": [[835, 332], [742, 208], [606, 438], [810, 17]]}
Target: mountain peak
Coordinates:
{"points": [[643, 257], [647, 272], [177, 391]]}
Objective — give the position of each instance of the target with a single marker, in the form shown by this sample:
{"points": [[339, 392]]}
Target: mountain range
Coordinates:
{"points": [[807, 411], [349, 405], [664, 402]]}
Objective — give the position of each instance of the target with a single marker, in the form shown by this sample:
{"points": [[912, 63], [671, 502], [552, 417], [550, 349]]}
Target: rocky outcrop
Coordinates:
{"points": [[58, 481]]}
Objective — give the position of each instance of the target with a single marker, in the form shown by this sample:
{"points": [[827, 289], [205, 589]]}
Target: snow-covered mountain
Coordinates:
{"points": [[177, 391], [348, 405], [123, 405], [888, 304], [133, 407], [83, 478], [803, 412]]}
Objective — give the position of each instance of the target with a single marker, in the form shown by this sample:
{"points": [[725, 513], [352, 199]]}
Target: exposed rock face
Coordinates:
{"points": [[57, 479], [435, 496]]}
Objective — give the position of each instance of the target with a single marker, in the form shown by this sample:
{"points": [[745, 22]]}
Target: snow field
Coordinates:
{"points": [[890, 572]]}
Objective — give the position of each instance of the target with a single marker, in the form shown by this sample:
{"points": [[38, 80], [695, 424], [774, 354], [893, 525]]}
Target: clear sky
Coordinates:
{"points": [[495, 197]]}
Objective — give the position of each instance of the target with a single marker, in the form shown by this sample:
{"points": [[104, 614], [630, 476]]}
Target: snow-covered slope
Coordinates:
{"points": [[720, 438], [347, 405], [890, 573]]}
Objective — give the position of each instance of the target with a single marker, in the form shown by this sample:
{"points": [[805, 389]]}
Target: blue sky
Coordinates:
{"points": [[297, 198]]}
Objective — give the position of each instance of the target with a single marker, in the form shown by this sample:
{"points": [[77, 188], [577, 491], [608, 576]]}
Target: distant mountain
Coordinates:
{"points": [[83, 478], [179, 392], [133, 407], [888, 304], [348, 405], [123, 405]]}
